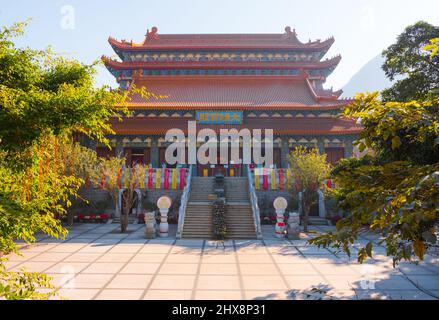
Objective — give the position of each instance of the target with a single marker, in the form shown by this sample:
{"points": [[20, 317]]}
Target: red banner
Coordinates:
{"points": [[182, 178], [119, 178], [281, 179], [166, 183], [150, 174], [264, 179], [103, 180], [329, 183]]}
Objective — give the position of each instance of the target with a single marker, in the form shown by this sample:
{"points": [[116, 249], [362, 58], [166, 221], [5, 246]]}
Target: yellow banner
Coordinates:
{"points": [[257, 182], [273, 179], [174, 179], [157, 178]]}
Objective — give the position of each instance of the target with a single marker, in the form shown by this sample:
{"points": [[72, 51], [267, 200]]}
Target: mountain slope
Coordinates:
{"points": [[370, 78]]}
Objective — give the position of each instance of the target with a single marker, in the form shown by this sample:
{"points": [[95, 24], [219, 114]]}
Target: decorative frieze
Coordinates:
{"points": [[235, 56]]}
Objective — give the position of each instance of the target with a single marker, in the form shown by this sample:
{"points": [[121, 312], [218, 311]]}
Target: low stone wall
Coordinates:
{"points": [[266, 198], [270, 195], [97, 195], [154, 195]]}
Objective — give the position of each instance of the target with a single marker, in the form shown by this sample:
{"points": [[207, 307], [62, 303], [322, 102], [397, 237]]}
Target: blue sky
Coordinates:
{"points": [[362, 28]]}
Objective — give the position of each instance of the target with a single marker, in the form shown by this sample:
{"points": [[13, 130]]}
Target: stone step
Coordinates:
{"points": [[318, 221]]}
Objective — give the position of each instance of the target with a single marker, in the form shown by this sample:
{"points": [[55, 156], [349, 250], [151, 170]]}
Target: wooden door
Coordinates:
{"points": [[334, 154]]}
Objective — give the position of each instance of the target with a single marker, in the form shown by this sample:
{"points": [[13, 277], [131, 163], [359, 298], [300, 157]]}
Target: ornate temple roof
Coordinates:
{"points": [[234, 92], [230, 72], [281, 126], [287, 40], [133, 65]]}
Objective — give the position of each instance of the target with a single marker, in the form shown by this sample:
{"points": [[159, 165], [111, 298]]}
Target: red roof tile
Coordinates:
{"points": [[287, 40], [312, 65], [228, 92], [293, 126]]}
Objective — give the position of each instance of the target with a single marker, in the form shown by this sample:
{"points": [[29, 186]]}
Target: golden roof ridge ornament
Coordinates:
{"points": [[290, 34], [152, 35]]}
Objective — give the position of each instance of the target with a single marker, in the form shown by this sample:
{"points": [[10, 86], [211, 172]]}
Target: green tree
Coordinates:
{"points": [[42, 95], [310, 168], [395, 191], [407, 59]]}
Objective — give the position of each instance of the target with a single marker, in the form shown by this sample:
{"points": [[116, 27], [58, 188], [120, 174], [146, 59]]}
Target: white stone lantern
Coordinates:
{"points": [[164, 203], [280, 204]]}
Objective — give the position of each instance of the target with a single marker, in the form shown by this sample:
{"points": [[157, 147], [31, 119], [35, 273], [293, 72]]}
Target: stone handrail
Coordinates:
{"points": [[254, 203], [183, 203]]}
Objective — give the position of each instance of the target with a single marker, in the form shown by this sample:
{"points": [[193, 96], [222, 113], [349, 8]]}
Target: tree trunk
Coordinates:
{"points": [[306, 209], [124, 212], [124, 220], [70, 216]]}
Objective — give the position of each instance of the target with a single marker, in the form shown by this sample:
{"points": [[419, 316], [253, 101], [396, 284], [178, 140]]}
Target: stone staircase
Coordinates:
{"points": [[198, 217], [239, 216]]}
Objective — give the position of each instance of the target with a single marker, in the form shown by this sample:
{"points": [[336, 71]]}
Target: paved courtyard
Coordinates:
{"points": [[96, 262]]}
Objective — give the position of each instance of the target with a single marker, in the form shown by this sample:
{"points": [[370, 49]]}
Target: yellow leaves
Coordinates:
{"points": [[433, 47], [396, 142], [309, 166], [419, 248]]}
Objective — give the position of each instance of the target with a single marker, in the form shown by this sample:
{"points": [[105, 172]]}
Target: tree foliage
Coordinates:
{"points": [[45, 100], [433, 47], [310, 169], [24, 285], [408, 59], [395, 191]]}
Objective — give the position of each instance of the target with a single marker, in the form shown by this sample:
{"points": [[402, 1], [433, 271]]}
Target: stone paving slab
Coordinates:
{"points": [[95, 262]]}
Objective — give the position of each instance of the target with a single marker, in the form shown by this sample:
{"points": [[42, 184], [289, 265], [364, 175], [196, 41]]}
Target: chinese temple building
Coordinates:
{"points": [[253, 81]]}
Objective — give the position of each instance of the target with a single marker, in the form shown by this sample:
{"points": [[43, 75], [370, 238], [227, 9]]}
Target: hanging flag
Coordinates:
{"points": [[174, 179], [127, 178], [150, 178], [166, 183], [256, 178], [273, 179], [264, 179], [103, 180], [182, 178], [329, 183], [281, 179], [142, 180], [158, 174], [119, 178]]}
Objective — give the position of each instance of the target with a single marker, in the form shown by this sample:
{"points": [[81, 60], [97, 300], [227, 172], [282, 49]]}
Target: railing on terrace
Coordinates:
{"points": [[279, 179], [254, 204], [183, 204]]}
